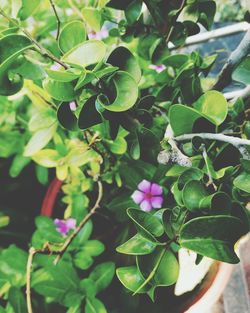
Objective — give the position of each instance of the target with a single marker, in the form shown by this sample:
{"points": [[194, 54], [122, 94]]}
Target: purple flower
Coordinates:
{"points": [[64, 226], [157, 68], [149, 196]]}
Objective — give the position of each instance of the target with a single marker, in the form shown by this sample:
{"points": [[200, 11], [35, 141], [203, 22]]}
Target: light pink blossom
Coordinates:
{"points": [[64, 226], [102, 34], [157, 68], [148, 196]]}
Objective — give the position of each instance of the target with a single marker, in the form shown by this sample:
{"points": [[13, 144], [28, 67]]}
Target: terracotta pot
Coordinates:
{"points": [[209, 291]]}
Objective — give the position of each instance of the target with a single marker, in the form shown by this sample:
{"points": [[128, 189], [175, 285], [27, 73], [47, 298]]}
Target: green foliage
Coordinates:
{"points": [[89, 99]]}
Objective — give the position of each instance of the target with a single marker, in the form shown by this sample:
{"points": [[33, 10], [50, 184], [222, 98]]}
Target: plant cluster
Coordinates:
{"points": [[149, 154]]}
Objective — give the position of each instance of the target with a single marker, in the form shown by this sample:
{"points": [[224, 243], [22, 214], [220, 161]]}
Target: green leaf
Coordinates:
{"points": [[89, 116], [160, 268], [13, 264], [62, 91], [147, 225], [82, 260], [119, 146], [39, 140], [102, 275], [131, 278], [18, 164], [93, 247], [4, 221], [66, 117], [28, 8], [242, 182], [85, 54], [137, 245], [11, 47], [125, 61], [173, 221], [211, 106], [47, 158], [217, 203], [192, 195], [63, 76], [122, 93], [188, 175], [30, 70], [133, 11], [119, 4], [242, 71], [93, 17], [71, 35], [213, 236], [17, 300], [94, 305]]}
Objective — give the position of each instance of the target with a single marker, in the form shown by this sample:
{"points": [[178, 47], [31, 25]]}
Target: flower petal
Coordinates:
{"points": [[156, 202], [138, 196], [146, 205], [144, 186], [70, 223], [156, 190]]}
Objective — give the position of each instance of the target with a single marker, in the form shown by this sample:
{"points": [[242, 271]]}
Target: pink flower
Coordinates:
{"points": [[64, 226], [103, 33], [149, 196], [157, 68]]}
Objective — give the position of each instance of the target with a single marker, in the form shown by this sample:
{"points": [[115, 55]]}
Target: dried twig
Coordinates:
{"points": [[237, 142], [225, 76]]}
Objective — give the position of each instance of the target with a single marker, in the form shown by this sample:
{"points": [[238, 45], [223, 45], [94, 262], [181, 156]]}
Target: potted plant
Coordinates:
{"points": [[141, 153]]}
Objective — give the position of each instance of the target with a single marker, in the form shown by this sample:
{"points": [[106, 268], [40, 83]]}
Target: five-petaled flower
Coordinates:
{"points": [[64, 226], [148, 196]]}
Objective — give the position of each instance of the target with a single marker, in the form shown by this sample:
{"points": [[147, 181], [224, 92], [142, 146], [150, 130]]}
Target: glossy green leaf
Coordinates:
{"points": [[217, 203], [89, 116], [131, 278], [82, 260], [94, 305], [211, 106], [11, 47], [93, 18], [62, 91], [118, 146], [242, 182], [192, 195], [137, 245], [160, 268], [147, 225], [188, 175], [102, 275], [213, 236], [71, 35], [122, 93], [242, 71], [125, 61], [63, 76], [133, 11], [66, 117], [85, 54]]}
